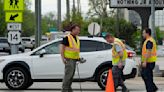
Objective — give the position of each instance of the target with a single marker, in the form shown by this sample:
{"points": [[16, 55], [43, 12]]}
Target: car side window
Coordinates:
{"points": [[51, 49], [108, 46], [103, 46], [100, 46], [89, 46]]}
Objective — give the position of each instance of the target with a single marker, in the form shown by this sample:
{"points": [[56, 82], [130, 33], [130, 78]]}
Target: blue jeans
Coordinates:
{"points": [[147, 76]]}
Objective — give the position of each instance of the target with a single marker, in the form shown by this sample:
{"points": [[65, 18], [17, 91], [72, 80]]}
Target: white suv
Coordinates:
{"points": [[44, 64]]}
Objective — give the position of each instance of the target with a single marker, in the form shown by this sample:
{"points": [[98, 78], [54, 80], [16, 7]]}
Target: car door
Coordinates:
{"points": [[50, 65], [95, 53]]}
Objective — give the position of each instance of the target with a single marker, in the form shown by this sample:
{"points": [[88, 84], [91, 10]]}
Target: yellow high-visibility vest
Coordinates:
{"points": [[73, 50], [153, 56], [115, 55]]}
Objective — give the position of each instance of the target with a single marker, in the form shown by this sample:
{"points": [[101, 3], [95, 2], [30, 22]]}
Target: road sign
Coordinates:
{"points": [[52, 30], [94, 28], [14, 26], [14, 17], [13, 5], [135, 3], [14, 37]]}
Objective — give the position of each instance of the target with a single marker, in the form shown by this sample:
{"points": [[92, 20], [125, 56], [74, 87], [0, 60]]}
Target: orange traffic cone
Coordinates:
{"points": [[110, 82]]}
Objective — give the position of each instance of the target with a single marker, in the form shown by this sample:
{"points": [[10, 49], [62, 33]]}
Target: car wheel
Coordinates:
{"points": [[22, 50], [30, 84], [102, 77], [32, 49], [9, 52], [17, 78]]}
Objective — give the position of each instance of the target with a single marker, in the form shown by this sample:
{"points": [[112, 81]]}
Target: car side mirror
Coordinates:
{"points": [[42, 52]]}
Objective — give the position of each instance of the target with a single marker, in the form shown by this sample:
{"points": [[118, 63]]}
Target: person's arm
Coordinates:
{"points": [[63, 45], [62, 48], [149, 47], [120, 53]]}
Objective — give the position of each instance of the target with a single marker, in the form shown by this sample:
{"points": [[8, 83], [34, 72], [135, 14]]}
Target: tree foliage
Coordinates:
{"points": [[100, 8]]}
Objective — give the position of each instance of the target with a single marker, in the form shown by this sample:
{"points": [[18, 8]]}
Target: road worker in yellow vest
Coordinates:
{"points": [[70, 49], [119, 56], [149, 57]]}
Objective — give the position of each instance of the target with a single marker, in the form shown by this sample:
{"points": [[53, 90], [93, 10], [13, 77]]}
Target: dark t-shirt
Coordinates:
{"points": [[149, 45], [65, 40]]}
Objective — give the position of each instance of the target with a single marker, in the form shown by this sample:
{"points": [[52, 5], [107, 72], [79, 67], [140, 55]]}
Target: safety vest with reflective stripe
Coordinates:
{"points": [[153, 56], [115, 55], [72, 51]]}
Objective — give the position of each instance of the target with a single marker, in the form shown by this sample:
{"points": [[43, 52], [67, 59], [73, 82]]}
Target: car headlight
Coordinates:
{"points": [[1, 60]]}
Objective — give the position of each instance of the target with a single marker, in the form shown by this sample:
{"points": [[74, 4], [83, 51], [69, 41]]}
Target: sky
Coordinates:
{"points": [[51, 6]]}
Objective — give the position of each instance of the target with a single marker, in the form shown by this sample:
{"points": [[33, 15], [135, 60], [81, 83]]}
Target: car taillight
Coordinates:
{"points": [[130, 54]]}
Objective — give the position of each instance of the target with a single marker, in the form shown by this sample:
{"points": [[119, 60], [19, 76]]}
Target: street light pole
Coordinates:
{"points": [[117, 22], [68, 9], [38, 22], [59, 16], [153, 18]]}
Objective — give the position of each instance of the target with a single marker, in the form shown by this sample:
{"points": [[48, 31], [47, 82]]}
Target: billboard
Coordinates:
{"points": [[135, 3]]}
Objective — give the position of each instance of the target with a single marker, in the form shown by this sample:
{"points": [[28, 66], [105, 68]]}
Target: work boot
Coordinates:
{"points": [[156, 89], [124, 89]]}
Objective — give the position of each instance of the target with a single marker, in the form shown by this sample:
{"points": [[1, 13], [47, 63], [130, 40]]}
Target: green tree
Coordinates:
{"points": [[28, 24], [48, 21], [159, 35], [98, 7], [128, 32]]}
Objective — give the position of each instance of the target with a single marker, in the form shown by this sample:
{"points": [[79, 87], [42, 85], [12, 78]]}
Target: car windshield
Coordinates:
{"points": [[25, 39]]}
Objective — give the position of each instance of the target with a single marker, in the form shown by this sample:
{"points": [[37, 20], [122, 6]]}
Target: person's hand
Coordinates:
{"points": [[120, 65], [144, 65], [64, 61]]}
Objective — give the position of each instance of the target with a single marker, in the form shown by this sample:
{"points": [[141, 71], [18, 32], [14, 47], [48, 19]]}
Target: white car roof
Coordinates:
{"points": [[100, 39]]}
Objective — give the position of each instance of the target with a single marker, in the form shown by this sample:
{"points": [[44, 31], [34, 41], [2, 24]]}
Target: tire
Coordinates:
{"points": [[102, 77], [22, 50], [17, 78], [9, 52], [30, 84], [32, 49]]}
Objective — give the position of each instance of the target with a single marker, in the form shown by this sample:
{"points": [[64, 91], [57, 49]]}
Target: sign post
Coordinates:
{"points": [[14, 17], [94, 28]]}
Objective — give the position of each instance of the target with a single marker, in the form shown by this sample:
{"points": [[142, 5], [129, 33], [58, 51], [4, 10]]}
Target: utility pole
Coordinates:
{"points": [[79, 6], [153, 19], [68, 9], [38, 22], [59, 15], [74, 9], [117, 22]]}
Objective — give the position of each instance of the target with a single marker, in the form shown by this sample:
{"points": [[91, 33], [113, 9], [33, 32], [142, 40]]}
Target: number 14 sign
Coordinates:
{"points": [[14, 37]]}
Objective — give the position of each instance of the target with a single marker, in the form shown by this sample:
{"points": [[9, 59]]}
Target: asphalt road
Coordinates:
{"points": [[134, 85]]}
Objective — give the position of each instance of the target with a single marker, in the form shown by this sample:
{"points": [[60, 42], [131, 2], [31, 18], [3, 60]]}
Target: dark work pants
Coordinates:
{"points": [[118, 77], [147, 76], [70, 68]]}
